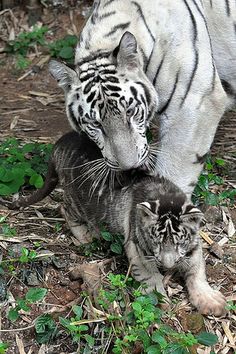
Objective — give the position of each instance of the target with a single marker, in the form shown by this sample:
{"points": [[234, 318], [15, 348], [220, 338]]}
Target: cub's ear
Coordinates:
{"points": [[147, 211], [64, 75], [126, 52], [192, 216]]}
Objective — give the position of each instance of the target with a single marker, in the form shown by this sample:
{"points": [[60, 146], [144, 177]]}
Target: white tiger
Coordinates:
{"points": [[185, 49]]}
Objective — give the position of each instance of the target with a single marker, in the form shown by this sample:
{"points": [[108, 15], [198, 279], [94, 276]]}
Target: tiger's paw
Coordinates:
{"points": [[82, 233], [208, 301]]}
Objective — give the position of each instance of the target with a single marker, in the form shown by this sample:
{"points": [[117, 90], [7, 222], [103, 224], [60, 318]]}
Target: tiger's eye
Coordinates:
{"points": [[130, 112]]}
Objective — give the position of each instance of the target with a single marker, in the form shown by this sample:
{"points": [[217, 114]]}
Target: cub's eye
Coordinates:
{"points": [[189, 253], [96, 124]]}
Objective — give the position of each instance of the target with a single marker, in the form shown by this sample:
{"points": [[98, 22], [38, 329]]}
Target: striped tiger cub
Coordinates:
{"points": [[138, 62], [159, 224]]}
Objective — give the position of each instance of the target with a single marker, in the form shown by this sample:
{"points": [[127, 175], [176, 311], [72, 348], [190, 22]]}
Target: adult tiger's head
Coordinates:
{"points": [[110, 98]]}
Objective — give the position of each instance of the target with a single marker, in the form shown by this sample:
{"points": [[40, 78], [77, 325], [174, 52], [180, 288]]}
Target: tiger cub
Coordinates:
{"points": [[160, 226]]}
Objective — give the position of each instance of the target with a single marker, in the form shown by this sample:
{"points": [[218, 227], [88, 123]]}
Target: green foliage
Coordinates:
{"points": [[22, 165], [35, 294], [6, 229], [231, 306], [32, 296], [77, 331], [22, 63], [26, 40], [130, 319], [64, 48], [207, 339], [45, 328], [116, 241], [208, 189], [27, 255], [3, 347]]}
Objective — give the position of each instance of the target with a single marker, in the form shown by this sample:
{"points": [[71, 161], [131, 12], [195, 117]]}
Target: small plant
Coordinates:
{"points": [[45, 328], [22, 63], [6, 229], [58, 227], [116, 241], [231, 306], [22, 165], [27, 255], [129, 318], [26, 40], [64, 48], [32, 296], [3, 347], [208, 188], [77, 330]]}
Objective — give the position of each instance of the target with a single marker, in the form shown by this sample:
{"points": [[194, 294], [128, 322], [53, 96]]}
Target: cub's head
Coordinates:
{"points": [[109, 97], [168, 230]]}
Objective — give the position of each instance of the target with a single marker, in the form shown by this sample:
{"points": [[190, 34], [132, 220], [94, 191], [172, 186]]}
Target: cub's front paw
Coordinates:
{"points": [[208, 301]]}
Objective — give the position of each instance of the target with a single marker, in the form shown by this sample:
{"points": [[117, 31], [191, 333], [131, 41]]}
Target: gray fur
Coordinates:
{"points": [[160, 226]]}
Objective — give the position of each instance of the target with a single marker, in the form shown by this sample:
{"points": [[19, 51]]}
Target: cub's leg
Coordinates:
{"points": [[142, 271], [77, 225], [201, 294]]}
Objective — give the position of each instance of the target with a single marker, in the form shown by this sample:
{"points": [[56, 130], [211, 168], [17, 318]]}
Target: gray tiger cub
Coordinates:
{"points": [[160, 226]]}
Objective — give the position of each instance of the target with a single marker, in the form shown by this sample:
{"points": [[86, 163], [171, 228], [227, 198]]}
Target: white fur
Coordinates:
{"points": [[187, 129]]}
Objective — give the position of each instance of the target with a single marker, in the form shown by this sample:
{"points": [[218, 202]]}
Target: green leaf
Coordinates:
{"points": [[212, 199], [36, 180], [43, 323], [154, 349], [66, 53], [77, 311], [158, 338], [90, 340], [83, 328], [4, 190], [13, 315], [67, 324], [106, 235], [137, 307], [220, 162], [6, 175], [3, 347], [207, 339], [116, 248], [46, 328], [22, 305], [35, 294]]}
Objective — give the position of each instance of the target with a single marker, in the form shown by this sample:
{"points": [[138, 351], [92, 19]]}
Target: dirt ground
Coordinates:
{"points": [[32, 107]]}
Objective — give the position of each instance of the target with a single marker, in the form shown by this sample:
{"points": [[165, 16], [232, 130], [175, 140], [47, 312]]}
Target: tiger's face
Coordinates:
{"points": [[169, 231], [110, 98]]}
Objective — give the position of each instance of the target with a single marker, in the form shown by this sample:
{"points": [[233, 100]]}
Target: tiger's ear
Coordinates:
{"points": [[146, 212], [192, 216], [64, 75], [126, 52]]}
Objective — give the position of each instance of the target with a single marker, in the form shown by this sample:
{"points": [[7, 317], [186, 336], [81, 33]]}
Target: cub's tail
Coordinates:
{"points": [[50, 183]]}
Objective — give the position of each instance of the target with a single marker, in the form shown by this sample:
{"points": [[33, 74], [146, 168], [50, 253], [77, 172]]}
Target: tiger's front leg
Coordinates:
{"points": [[207, 300]]}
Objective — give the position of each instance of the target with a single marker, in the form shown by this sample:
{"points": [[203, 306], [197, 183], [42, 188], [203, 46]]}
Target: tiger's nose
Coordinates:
{"points": [[128, 165]]}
